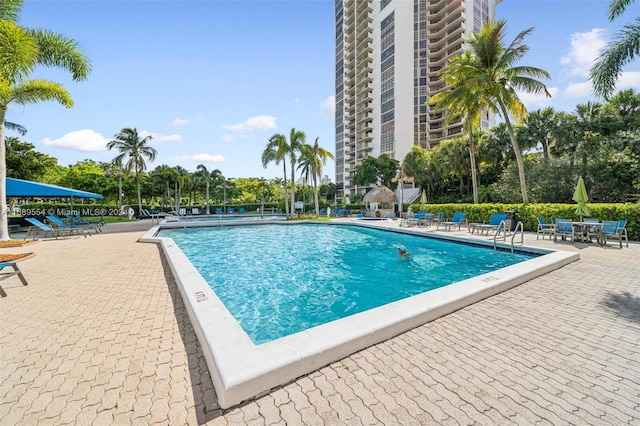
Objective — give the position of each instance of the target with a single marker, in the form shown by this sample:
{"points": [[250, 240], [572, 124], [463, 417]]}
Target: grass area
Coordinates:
{"points": [[115, 219]]}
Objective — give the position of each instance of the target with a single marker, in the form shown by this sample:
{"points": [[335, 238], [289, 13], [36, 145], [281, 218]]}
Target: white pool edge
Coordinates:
{"points": [[240, 370]]}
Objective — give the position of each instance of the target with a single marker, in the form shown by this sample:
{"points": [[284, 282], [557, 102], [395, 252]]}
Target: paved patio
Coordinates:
{"points": [[101, 336]]}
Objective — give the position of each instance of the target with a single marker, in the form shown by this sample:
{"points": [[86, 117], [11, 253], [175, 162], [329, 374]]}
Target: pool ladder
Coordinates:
{"points": [[503, 226]]}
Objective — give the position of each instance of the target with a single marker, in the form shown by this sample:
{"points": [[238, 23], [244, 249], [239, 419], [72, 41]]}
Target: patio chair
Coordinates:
{"points": [[611, 230], [492, 225], [545, 228], [241, 210], [426, 220], [218, 210], [57, 221], [458, 219], [5, 275], [591, 232], [417, 218], [76, 219], [40, 228], [564, 228]]}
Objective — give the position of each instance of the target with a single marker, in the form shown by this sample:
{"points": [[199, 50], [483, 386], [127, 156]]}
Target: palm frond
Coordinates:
{"points": [[15, 127], [18, 52], [33, 91], [56, 50], [9, 9], [608, 67], [617, 8]]}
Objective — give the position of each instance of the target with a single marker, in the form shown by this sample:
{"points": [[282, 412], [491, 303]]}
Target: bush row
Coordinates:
{"points": [[528, 214]]}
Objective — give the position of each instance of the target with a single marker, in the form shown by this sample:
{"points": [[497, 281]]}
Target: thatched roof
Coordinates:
{"points": [[381, 194]]}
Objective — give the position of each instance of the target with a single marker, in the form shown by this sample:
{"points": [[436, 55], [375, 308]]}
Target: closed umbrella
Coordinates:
{"points": [[580, 196], [423, 199]]}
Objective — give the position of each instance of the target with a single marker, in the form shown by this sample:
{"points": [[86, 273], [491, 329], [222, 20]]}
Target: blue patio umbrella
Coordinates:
{"points": [[580, 196]]}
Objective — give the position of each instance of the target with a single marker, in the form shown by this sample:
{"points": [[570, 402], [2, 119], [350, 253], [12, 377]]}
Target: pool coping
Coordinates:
{"points": [[241, 370]]}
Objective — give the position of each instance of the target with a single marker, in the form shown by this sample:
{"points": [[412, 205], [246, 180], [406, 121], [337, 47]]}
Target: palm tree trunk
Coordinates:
{"points": [[315, 194], [207, 195], [474, 173], [286, 201], [4, 214], [293, 189], [139, 194], [518, 153]]}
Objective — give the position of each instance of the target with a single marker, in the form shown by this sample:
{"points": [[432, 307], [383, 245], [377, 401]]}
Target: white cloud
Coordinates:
{"points": [[629, 80], [159, 137], [184, 121], [180, 122], [261, 122], [85, 140], [201, 158], [585, 48], [328, 107], [535, 101], [578, 90]]}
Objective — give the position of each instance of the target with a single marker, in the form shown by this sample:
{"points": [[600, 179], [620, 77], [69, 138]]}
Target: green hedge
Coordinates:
{"points": [[529, 213]]}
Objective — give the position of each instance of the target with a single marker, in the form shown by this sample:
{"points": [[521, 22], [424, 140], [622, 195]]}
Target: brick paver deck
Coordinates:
{"points": [[101, 336]]}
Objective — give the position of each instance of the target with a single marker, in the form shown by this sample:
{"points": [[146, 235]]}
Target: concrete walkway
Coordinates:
{"points": [[101, 336]]}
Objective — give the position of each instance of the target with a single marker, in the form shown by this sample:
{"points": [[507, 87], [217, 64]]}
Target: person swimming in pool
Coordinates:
{"points": [[402, 252]]}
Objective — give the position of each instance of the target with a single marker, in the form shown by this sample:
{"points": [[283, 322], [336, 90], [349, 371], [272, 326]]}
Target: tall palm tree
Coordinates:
{"points": [[540, 128], [134, 149], [203, 174], [22, 50], [276, 151], [297, 139], [460, 101], [624, 47], [312, 158], [492, 76], [164, 175]]}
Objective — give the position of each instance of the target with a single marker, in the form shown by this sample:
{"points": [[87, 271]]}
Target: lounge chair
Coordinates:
{"points": [[80, 229], [40, 228], [230, 210], [195, 210], [564, 228], [5, 275], [613, 229], [218, 210], [426, 220], [241, 210], [417, 218], [458, 220], [76, 219], [492, 225], [545, 228]]}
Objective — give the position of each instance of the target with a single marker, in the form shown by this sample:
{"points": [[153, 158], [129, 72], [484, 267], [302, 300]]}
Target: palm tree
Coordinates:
{"points": [[203, 174], [540, 128], [22, 50], [608, 67], [297, 139], [461, 101], [312, 158], [134, 150], [491, 76], [276, 151], [164, 175], [15, 127]]}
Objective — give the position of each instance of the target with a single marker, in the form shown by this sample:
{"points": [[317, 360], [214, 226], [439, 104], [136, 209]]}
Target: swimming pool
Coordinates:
{"points": [[240, 369], [277, 280]]}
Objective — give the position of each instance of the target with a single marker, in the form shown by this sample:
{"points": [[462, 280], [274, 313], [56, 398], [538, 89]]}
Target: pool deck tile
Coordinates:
{"points": [[101, 336]]}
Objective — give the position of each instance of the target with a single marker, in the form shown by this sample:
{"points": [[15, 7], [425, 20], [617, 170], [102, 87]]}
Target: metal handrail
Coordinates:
{"points": [[515, 232], [502, 225]]}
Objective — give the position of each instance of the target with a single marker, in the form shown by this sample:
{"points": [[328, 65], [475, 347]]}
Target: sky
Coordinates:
{"points": [[212, 80]]}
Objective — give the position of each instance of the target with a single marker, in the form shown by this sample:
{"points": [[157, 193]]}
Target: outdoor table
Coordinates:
{"points": [[581, 228]]}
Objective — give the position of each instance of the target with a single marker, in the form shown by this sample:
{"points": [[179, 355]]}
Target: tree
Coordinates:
{"points": [[366, 172], [490, 75], [134, 149], [205, 176], [22, 50], [24, 162], [624, 47], [276, 151], [164, 175], [297, 139], [540, 128], [312, 158]]}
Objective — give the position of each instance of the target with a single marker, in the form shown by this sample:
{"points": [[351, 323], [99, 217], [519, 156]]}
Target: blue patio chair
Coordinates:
{"points": [[545, 228], [611, 230], [218, 210], [80, 230], [230, 210], [458, 220], [493, 224], [564, 228], [40, 228], [5, 275]]}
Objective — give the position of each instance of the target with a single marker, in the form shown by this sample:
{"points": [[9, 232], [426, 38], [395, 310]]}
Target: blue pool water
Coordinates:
{"points": [[281, 279], [219, 217]]}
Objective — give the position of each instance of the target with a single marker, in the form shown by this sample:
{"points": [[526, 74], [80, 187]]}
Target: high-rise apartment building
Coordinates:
{"points": [[389, 58]]}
